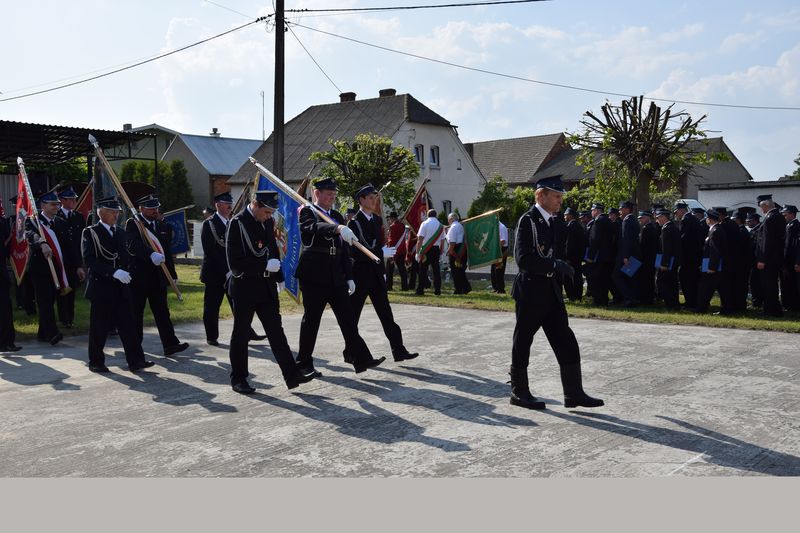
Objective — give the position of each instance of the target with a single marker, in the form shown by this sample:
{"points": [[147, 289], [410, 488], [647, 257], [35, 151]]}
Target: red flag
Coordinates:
{"points": [[418, 209], [84, 205], [19, 245]]}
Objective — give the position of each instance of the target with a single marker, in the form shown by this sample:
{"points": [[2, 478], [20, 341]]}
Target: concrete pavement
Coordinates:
{"points": [[680, 400]]}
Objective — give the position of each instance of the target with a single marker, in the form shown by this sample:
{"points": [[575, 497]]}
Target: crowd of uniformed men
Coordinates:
{"points": [[638, 259]]}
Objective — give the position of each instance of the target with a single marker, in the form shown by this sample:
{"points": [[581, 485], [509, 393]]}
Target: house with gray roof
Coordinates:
{"points": [[455, 179]]}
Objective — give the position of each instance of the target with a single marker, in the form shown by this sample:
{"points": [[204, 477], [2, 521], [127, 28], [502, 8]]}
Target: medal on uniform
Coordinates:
{"points": [[333, 250]]}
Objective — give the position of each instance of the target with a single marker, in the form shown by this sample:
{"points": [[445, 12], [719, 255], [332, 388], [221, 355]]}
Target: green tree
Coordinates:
{"points": [[796, 174], [372, 159], [494, 195], [629, 147], [174, 190], [523, 199]]}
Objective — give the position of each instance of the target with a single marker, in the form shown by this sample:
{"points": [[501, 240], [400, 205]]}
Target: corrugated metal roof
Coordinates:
{"points": [[221, 156], [309, 131], [516, 160]]}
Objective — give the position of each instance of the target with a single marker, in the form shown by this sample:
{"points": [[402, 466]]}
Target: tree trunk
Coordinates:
{"points": [[642, 199]]}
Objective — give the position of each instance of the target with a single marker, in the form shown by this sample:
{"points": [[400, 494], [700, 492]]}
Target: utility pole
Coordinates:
{"points": [[277, 130], [263, 132]]}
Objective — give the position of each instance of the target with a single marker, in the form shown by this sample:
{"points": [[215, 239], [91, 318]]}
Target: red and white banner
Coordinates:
{"points": [[55, 246], [20, 251], [418, 209]]}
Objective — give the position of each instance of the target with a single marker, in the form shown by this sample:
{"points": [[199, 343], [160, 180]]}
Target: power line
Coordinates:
{"points": [[406, 8], [259, 19], [540, 82]]}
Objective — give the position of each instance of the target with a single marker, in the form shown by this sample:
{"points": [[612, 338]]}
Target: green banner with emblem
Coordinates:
{"points": [[482, 235]]}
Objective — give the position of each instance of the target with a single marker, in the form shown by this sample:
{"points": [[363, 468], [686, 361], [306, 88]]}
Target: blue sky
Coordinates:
{"points": [[713, 51]]}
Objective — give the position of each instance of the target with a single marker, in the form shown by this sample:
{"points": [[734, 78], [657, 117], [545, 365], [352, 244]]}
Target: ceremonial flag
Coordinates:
{"points": [[418, 208], [482, 235], [55, 247], [85, 201], [287, 234], [180, 232], [20, 252]]}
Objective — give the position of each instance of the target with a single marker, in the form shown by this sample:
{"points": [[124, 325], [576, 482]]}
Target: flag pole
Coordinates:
{"points": [[34, 214], [487, 213], [124, 195], [184, 208], [302, 201], [405, 214]]}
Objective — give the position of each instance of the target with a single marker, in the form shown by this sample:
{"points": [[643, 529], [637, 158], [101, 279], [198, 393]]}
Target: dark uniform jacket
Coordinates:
{"points": [[770, 240], [692, 239], [600, 239], [142, 268], [102, 256], [649, 243], [791, 249], [670, 246], [576, 241], [370, 234], [74, 224], [248, 262], [629, 238], [715, 247], [38, 264], [534, 253], [325, 257], [733, 254], [215, 265]]}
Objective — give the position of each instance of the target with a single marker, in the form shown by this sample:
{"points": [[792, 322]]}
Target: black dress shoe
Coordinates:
{"points": [[256, 337], [175, 349], [297, 379], [528, 401], [56, 339], [140, 366], [306, 370], [243, 387], [10, 348], [68, 325], [583, 400], [370, 364], [99, 369], [212, 342], [404, 355]]}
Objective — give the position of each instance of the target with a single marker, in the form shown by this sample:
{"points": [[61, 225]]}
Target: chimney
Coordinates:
{"points": [[214, 132], [347, 97], [383, 93], [127, 127]]}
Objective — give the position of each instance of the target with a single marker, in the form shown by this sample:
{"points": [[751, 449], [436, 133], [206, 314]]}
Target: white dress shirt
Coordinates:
{"points": [[428, 229], [455, 235]]}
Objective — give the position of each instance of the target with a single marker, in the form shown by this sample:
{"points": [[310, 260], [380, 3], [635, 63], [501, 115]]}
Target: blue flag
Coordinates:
{"points": [[287, 234], [180, 233]]}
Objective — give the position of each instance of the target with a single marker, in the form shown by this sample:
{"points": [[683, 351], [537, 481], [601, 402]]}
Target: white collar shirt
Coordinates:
{"points": [[547, 216], [455, 235]]}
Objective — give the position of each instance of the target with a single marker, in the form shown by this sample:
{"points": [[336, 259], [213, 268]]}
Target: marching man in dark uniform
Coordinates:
{"points": [[73, 263], [326, 278], [108, 280], [370, 276], [575, 248], [769, 253], [256, 279], [599, 254], [743, 262], [539, 304], [397, 232], [753, 224], [731, 260], [39, 270], [149, 283], [214, 270], [714, 250], [8, 334], [627, 248], [692, 237], [790, 292], [649, 237], [671, 260]]}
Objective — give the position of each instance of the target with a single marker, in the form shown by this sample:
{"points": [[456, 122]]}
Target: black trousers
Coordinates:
{"points": [[431, 259], [689, 276], [547, 311], [647, 281], [315, 298], [601, 281], [498, 274], [769, 290], [740, 282], [461, 284], [156, 296], [401, 271], [212, 300], [790, 297], [46, 293], [626, 285], [7, 332], [667, 283], [755, 286], [708, 284], [66, 302], [269, 314], [25, 295], [413, 272], [107, 314], [380, 302]]}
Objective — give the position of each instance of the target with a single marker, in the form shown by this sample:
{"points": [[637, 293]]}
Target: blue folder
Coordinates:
{"points": [[704, 267], [658, 261], [632, 266]]}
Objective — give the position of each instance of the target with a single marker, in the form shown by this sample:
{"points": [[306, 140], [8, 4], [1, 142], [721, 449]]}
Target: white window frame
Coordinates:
{"points": [[434, 156], [419, 154]]}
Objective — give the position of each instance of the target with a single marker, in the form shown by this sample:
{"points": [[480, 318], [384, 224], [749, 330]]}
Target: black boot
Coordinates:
{"points": [[402, 354], [520, 393], [574, 396]]}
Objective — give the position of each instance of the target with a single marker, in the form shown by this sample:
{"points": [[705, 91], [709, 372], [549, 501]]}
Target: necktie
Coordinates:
{"points": [[113, 230]]}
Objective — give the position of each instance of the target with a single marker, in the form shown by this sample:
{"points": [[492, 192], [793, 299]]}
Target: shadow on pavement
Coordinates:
{"points": [[19, 370], [717, 448]]}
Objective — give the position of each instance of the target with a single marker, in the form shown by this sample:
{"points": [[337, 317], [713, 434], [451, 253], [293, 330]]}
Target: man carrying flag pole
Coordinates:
{"points": [[429, 244], [7, 332]]}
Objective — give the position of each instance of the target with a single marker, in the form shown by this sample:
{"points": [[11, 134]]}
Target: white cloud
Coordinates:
{"points": [[733, 43]]}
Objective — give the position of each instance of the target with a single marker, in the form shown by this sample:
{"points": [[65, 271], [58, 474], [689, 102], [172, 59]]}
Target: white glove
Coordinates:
{"points": [[281, 286], [351, 287], [347, 235], [46, 251], [122, 276], [156, 258], [273, 265], [388, 251]]}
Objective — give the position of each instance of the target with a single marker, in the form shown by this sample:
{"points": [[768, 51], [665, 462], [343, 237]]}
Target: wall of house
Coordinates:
{"points": [[718, 173], [455, 179], [198, 177], [782, 192]]}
